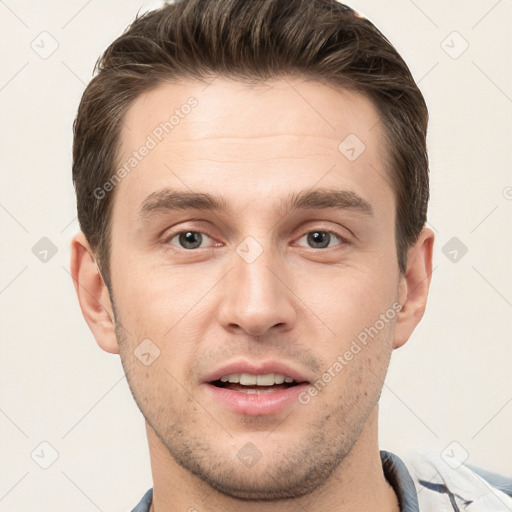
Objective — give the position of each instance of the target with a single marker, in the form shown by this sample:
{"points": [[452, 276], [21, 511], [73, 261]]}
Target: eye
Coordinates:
{"points": [[320, 239], [189, 239]]}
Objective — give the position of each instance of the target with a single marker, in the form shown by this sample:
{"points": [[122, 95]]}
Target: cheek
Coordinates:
{"points": [[348, 299], [359, 370], [154, 306], [155, 302]]}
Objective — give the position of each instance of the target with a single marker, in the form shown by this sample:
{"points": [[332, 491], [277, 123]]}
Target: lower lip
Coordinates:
{"points": [[255, 404]]}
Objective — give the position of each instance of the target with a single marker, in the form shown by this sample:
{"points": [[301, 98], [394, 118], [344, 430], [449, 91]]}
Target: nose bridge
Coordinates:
{"points": [[253, 266], [257, 297]]}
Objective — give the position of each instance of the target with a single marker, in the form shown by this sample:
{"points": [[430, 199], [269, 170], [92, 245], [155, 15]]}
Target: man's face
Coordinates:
{"points": [[258, 288]]}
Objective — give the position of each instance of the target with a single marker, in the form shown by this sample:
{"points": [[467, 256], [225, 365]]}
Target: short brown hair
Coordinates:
{"points": [[250, 41]]}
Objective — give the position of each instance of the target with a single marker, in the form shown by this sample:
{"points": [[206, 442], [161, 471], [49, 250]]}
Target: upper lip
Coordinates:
{"points": [[256, 368]]}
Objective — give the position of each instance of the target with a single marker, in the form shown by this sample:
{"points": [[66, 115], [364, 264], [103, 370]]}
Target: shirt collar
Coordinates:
{"points": [[399, 478]]}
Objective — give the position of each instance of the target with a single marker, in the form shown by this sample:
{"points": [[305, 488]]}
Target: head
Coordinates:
{"points": [[252, 187]]}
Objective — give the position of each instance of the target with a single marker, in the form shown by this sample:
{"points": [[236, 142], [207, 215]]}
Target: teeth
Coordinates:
{"points": [[246, 379], [265, 380], [279, 379]]}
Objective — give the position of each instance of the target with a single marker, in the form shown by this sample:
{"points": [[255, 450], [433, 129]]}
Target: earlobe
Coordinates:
{"points": [[93, 294], [414, 287]]}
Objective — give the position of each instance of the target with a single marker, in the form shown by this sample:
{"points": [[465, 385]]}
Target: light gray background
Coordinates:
{"points": [[449, 389]]}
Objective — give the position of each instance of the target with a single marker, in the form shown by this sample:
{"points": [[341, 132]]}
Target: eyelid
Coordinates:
{"points": [[344, 240], [167, 239], [342, 232]]}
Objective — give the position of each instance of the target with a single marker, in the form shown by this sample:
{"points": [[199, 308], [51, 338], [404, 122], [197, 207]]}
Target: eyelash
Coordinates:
{"points": [[343, 240]]}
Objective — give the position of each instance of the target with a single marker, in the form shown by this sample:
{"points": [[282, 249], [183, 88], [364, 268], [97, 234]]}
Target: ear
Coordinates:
{"points": [[93, 294], [414, 286]]}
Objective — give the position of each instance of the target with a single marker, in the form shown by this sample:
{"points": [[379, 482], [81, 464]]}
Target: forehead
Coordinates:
{"points": [[252, 141], [287, 106]]}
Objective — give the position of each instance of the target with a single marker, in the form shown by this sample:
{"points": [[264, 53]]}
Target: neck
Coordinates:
{"points": [[358, 483]]}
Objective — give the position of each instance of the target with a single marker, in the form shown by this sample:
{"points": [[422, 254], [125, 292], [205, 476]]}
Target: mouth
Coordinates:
{"points": [[254, 389], [254, 384]]}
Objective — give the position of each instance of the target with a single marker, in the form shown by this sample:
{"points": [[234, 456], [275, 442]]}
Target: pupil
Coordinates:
{"points": [[187, 239], [319, 237]]}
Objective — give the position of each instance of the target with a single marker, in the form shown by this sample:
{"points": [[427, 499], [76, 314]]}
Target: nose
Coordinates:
{"points": [[257, 296]]}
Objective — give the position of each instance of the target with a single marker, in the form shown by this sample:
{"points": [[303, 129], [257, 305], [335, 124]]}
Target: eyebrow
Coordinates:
{"points": [[169, 199]]}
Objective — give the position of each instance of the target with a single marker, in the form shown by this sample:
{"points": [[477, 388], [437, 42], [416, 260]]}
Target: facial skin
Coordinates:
{"points": [[302, 302]]}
